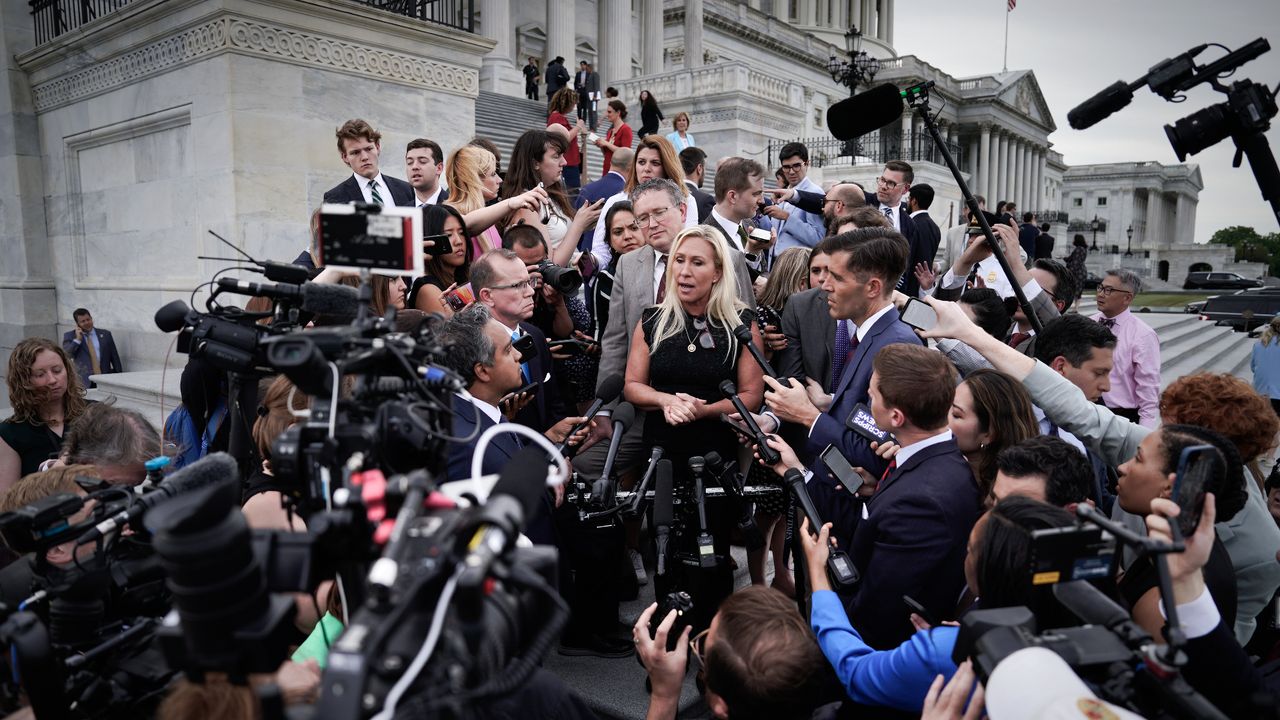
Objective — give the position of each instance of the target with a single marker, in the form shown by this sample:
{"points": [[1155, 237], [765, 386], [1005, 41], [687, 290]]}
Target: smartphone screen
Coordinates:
{"points": [[460, 298], [437, 245], [840, 467], [1197, 465], [919, 314], [737, 428]]}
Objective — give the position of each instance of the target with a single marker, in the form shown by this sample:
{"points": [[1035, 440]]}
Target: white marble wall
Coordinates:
{"points": [[218, 115]]}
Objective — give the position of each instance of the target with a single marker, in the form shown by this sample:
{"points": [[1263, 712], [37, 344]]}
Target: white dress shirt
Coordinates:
{"points": [[384, 192], [490, 411]]}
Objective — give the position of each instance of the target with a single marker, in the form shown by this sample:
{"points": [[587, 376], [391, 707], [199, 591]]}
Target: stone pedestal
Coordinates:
{"points": [[168, 118]]}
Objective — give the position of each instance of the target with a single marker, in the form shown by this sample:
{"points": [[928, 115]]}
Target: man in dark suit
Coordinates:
{"points": [[557, 77], [739, 190], [424, 164], [587, 83], [879, 256], [1044, 243], [694, 162], [894, 183], [919, 198], [1028, 231], [359, 146], [92, 350], [612, 182], [501, 282]]}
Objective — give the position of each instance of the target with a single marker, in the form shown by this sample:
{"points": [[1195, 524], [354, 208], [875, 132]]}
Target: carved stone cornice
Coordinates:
{"points": [[229, 34]]}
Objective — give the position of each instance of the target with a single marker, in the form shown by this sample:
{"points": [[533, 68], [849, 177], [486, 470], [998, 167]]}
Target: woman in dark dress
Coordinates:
{"points": [[1075, 261], [650, 114], [47, 397], [443, 272], [681, 351], [1150, 474]]}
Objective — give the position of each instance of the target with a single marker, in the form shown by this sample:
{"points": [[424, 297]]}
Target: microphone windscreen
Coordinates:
{"points": [[728, 388], [524, 479], [172, 316], [1111, 99], [333, 301], [663, 503], [865, 112], [610, 388], [208, 470], [743, 333], [624, 414]]}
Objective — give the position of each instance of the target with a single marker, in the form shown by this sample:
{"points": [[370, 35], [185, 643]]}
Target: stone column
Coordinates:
{"points": [[651, 14], [888, 23], [984, 185], [1006, 168], [561, 33], [905, 151], [1041, 204], [998, 158], [1018, 163], [692, 34], [499, 72], [866, 11], [1028, 176], [613, 38], [777, 8]]}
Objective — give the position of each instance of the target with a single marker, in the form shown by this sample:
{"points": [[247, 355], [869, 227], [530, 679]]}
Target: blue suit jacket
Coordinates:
{"points": [[912, 542], [108, 358]]}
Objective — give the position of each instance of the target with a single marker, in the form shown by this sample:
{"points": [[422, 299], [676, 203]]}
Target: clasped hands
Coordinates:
{"points": [[682, 408]]}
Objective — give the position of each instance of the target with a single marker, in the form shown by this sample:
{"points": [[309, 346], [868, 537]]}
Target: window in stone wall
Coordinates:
{"points": [[1077, 202], [817, 118], [1102, 202]]}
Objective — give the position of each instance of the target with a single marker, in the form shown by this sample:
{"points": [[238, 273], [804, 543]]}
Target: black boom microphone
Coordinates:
{"points": [[865, 112], [602, 491], [663, 512], [608, 391], [209, 470], [743, 334]]}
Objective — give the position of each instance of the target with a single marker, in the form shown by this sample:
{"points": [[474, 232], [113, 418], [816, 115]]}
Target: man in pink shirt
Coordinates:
{"points": [[1135, 374]]}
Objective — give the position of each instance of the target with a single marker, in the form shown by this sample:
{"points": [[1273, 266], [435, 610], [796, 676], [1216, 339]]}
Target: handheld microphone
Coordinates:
{"points": [[706, 546], [602, 491], [767, 454], [608, 391], [209, 470], [663, 512], [865, 112], [743, 334], [512, 502], [840, 570]]}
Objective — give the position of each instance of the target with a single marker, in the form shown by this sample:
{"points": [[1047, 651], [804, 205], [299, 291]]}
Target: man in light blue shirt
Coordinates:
{"points": [[799, 227]]}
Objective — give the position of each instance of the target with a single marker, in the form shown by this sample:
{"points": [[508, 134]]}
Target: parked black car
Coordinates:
{"points": [[1244, 310], [1091, 281], [1218, 281]]}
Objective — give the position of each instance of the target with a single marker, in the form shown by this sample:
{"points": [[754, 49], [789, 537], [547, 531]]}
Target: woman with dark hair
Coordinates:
{"points": [[996, 569], [990, 412], [46, 397], [562, 103], [443, 272], [650, 114], [1075, 262], [538, 159], [624, 236], [987, 309], [654, 158], [1150, 474], [619, 135]]}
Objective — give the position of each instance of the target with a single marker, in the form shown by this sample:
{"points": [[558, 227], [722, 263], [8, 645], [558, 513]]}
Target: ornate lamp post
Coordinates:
{"points": [[1128, 248], [859, 69], [1095, 225]]}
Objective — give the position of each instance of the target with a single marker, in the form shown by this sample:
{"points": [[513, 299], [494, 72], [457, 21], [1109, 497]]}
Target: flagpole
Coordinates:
{"points": [[1006, 38]]}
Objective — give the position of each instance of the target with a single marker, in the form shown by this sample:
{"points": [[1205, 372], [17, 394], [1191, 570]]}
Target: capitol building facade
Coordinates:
{"points": [[131, 128]]}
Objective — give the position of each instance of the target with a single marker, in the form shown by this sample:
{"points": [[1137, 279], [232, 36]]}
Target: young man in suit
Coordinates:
{"points": [[919, 198], [894, 183], [923, 505], [359, 146], [424, 164], [557, 77], [587, 83], [800, 227], [92, 350], [694, 162], [739, 189]]}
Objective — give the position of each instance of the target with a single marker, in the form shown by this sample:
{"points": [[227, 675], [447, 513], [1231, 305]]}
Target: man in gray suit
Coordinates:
{"points": [[660, 209]]}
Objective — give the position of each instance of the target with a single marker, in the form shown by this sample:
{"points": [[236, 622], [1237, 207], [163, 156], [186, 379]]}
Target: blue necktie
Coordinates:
{"points": [[524, 366], [843, 353]]}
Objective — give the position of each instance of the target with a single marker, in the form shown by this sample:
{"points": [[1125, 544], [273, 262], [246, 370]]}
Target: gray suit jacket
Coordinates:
{"points": [[811, 337], [633, 291]]}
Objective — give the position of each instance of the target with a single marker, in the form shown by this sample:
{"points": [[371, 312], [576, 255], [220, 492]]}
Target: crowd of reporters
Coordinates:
{"points": [[648, 297]]}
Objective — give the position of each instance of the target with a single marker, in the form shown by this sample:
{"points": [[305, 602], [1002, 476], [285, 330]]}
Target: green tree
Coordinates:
{"points": [[1250, 246]]}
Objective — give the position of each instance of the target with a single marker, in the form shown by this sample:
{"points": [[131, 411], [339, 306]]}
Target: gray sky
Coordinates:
{"points": [[1078, 47]]}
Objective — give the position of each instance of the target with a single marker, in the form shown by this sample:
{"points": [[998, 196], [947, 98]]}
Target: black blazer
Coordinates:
{"points": [[920, 250], [929, 230], [547, 407], [811, 337], [705, 200], [348, 191], [912, 542]]}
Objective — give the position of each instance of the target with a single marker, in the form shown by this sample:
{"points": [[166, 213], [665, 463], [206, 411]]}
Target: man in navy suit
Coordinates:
{"points": [[612, 182], [923, 504], [91, 349], [359, 146]]}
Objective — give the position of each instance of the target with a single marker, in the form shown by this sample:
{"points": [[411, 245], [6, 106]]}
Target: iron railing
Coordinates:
{"points": [[52, 18], [874, 148]]}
